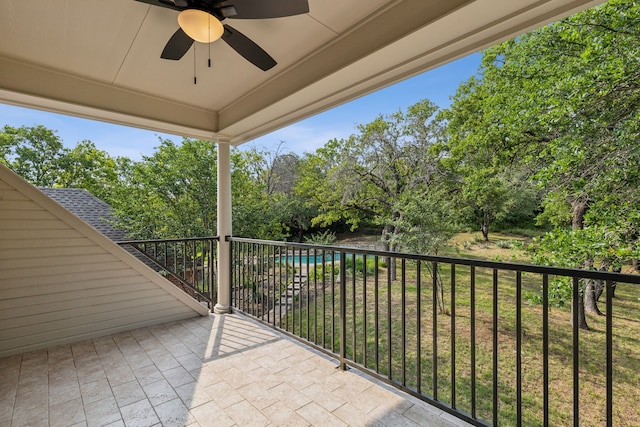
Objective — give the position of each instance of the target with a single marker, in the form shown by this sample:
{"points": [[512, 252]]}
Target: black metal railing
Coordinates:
{"points": [[189, 263], [489, 342]]}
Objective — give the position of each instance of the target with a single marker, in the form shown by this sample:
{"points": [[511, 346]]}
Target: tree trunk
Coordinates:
{"points": [[582, 318], [615, 269], [590, 298], [599, 288], [390, 261], [636, 265], [590, 304], [440, 288], [579, 208], [484, 228]]}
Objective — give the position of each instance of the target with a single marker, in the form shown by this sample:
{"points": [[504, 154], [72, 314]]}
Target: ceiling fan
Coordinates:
{"points": [[200, 20]]}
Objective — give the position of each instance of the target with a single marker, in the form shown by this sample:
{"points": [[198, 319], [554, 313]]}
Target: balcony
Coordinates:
{"points": [[417, 339], [221, 370], [333, 335], [437, 330], [484, 341]]}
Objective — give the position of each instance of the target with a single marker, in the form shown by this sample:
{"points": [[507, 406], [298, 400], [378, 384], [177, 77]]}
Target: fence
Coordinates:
{"points": [[492, 343], [187, 263]]}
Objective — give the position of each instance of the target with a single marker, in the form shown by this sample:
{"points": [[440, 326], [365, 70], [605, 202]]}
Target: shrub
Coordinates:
{"points": [[560, 293], [510, 244], [325, 238], [334, 268], [504, 244]]}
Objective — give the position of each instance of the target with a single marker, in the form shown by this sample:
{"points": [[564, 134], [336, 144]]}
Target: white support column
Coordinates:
{"points": [[224, 229]]}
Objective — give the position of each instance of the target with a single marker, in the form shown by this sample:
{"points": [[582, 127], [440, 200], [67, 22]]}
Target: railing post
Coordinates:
{"points": [[343, 311], [210, 280], [224, 230]]}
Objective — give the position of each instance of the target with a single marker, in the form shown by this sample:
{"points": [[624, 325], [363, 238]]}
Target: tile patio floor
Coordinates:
{"points": [[210, 371]]}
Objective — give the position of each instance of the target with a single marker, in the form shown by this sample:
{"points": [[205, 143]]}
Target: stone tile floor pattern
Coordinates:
{"points": [[220, 370]]}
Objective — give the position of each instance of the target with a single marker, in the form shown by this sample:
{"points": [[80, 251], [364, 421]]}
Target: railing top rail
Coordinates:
{"points": [[185, 239], [527, 268]]}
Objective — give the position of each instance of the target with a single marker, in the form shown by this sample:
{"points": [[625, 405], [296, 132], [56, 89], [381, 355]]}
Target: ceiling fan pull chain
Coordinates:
{"points": [[210, 41], [195, 80]]}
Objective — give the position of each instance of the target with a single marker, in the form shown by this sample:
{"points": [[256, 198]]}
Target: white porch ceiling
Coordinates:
{"points": [[100, 59]]}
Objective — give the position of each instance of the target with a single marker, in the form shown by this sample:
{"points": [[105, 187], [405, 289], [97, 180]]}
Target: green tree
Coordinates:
{"points": [[563, 102], [84, 166], [493, 189], [280, 174], [171, 193], [375, 168], [390, 160], [34, 153], [255, 212]]}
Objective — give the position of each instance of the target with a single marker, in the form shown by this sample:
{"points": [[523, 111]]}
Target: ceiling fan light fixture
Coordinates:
{"points": [[201, 26]]}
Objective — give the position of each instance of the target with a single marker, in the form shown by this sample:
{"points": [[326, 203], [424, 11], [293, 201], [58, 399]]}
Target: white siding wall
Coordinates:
{"points": [[62, 281]]}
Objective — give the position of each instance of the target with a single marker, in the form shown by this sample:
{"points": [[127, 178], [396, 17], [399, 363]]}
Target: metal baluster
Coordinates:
{"points": [[453, 336], [434, 343], [519, 348], [343, 310], [376, 312], [495, 347], [473, 341], [403, 320], [609, 345], [364, 310], [389, 345], [576, 353], [353, 307]]}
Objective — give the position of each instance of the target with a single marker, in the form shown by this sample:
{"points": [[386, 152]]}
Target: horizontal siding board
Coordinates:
{"points": [[12, 273], [73, 296], [39, 234], [37, 253], [111, 324], [21, 205], [59, 285], [44, 262], [22, 224], [77, 302], [45, 243], [52, 322], [8, 193], [58, 282], [14, 214], [4, 185]]}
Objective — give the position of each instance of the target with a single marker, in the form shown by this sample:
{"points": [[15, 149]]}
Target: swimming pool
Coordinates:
{"points": [[303, 259]]}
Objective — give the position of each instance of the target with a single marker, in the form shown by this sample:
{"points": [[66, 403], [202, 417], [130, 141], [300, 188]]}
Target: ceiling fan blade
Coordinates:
{"points": [[177, 46], [247, 48], [262, 9], [163, 3]]}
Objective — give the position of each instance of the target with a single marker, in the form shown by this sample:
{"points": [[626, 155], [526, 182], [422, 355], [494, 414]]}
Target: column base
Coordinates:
{"points": [[221, 309]]}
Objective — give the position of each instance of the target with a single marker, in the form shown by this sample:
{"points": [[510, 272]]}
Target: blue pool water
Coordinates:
{"points": [[302, 259]]}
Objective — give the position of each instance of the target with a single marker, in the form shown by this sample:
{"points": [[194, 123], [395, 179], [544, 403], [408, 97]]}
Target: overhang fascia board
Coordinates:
{"points": [[376, 70], [31, 86], [385, 28]]}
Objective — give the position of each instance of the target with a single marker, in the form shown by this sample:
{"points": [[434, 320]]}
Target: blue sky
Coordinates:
{"points": [[438, 85]]}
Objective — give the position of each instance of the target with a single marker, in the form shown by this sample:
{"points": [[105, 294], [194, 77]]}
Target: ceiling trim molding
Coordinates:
{"points": [[35, 87], [380, 31]]}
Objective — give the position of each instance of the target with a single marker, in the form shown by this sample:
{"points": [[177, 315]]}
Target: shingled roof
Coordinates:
{"points": [[88, 208]]}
